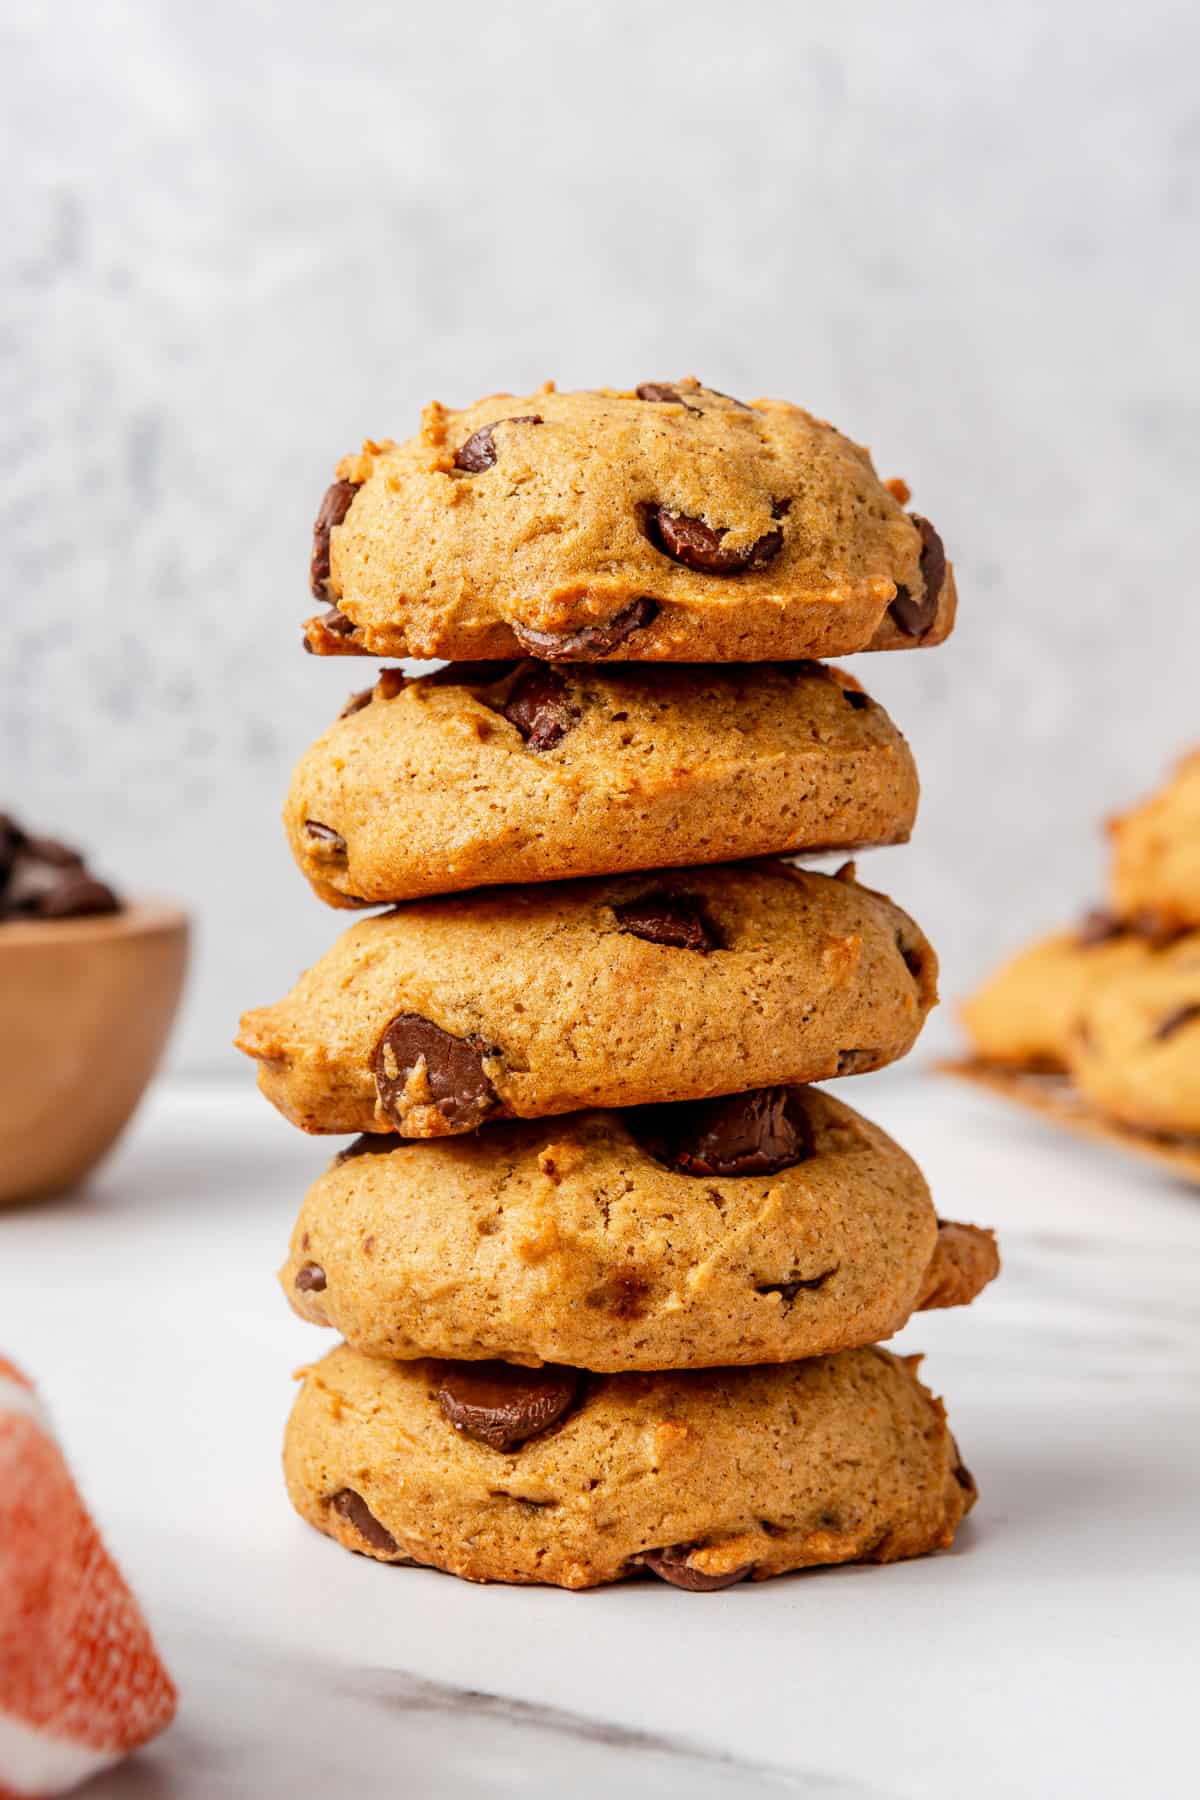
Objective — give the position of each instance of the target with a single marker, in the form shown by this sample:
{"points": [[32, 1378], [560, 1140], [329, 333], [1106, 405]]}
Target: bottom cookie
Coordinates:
{"points": [[702, 1477]]}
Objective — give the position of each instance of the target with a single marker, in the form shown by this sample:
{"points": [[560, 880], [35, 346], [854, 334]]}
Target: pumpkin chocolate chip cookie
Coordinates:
{"points": [[1156, 853], [1135, 1050], [521, 1002], [664, 524], [1024, 1014], [535, 772], [702, 1477], [759, 1228]]}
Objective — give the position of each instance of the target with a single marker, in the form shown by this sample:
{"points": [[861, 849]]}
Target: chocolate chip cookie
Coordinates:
{"points": [[1135, 1050], [537, 772], [702, 1478], [1024, 1014], [1156, 853], [520, 1002], [669, 523], [762, 1227]]}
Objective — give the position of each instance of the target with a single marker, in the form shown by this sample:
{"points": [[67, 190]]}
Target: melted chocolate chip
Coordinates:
{"points": [[331, 841], [454, 1078], [503, 1406], [322, 633], [335, 504], [1098, 927], [757, 1133], [702, 547], [857, 1062], [677, 921], [354, 1509], [665, 395], [310, 1278], [795, 1284], [371, 1143], [671, 1565], [590, 642], [914, 959], [740, 404], [964, 1478], [479, 451], [856, 698], [1177, 1020], [356, 702], [914, 617], [538, 706]]}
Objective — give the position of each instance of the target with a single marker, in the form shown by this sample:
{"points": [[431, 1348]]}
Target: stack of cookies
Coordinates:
{"points": [[609, 1272], [1098, 1026]]}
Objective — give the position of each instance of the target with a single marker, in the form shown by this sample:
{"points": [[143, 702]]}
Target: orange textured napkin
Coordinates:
{"points": [[81, 1683]]}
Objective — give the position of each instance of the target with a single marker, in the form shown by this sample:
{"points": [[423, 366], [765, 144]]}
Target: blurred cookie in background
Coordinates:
{"points": [[1099, 1028], [1156, 852]]}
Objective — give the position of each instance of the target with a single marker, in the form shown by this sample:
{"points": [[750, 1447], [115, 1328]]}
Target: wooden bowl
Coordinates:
{"points": [[85, 1009]]}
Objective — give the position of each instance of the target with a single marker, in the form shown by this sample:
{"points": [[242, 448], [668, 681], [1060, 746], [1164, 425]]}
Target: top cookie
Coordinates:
{"points": [[1156, 853], [666, 524]]}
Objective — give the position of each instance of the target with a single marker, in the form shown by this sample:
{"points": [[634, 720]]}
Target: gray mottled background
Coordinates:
{"points": [[241, 237]]}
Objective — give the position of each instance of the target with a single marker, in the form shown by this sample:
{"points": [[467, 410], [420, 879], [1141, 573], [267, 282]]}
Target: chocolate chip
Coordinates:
{"points": [[665, 395], [538, 706], [672, 1565], [1098, 927], [701, 547], [740, 404], [77, 895], [310, 1278], [757, 1133], [914, 617], [677, 921], [960, 1471], [331, 841], [49, 850], [1157, 929], [453, 1066], [37, 889], [795, 1284], [354, 1509], [479, 451], [371, 1143], [590, 642], [856, 698], [857, 1062], [847, 871], [502, 1406], [12, 840], [1177, 1020], [356, 702], [41, 878], [914, 959], [334, 506], [322, 634]]}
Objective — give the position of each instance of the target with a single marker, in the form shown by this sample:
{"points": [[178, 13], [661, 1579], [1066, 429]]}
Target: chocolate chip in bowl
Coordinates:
{"points": [[89, 985]]}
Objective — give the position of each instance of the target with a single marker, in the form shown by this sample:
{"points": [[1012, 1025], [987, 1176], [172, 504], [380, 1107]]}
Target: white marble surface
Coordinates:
{"points": [[240, 237], [1051, 1654]]}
